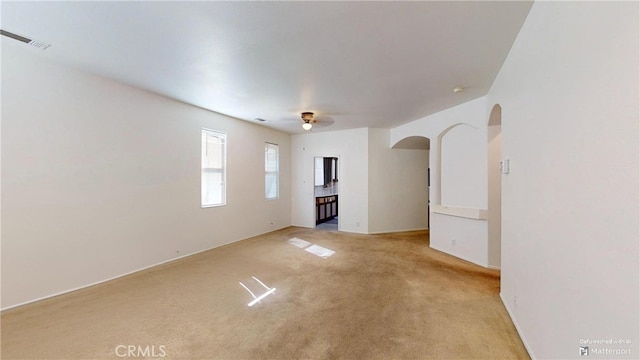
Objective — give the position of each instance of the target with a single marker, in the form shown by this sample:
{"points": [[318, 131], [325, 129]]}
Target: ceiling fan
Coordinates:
{"points": [[309, 120]]}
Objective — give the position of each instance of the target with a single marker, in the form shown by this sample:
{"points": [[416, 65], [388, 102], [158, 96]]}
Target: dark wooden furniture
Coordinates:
{"points": [[326, 208]]}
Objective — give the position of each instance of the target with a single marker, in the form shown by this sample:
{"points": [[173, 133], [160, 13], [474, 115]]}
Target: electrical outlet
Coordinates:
{"points": [[358, 223], [515, 300], [453, 242]]}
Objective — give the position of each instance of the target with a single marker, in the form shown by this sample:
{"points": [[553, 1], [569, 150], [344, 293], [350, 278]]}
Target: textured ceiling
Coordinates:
{"points": [[355, 64]]}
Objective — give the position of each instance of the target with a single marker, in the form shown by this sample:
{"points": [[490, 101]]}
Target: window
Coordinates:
{"points": [[214, 158], [271, 171]]}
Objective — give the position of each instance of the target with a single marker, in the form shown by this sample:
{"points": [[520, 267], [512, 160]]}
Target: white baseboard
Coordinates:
{"points": [[132, 272], [515, 323], [396, 231], [460, 257]]}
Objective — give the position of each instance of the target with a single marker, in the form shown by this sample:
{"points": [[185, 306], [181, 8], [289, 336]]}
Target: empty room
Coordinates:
{"points": [[320, 180]]}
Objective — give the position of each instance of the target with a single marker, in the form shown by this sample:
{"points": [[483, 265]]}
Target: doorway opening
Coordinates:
{"points": [[494, 208], [420, 143], [326, 192]]}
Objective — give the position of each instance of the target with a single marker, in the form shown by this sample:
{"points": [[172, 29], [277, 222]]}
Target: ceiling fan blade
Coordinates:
{"points": [[322, 121]]}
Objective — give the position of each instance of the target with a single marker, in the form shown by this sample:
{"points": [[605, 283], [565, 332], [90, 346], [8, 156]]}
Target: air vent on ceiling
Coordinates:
{"points": [[32, 42]]}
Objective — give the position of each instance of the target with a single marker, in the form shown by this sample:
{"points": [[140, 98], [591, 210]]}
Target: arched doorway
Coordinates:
{"points": [[419, 143], [494, 203]]}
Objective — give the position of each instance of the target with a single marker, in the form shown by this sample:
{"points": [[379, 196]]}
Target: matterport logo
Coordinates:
{"points": [[605, 346], [141, 351]]}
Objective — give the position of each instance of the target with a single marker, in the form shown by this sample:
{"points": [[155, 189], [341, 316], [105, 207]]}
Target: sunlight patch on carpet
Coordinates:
{"points": [[311, 248], [320, 251], [298, 242], [256, 299]]}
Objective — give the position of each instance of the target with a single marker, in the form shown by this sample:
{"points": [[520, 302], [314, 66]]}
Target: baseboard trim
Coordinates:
{"points": [[396, 231], [515, 323], [133, 271], [487, 266], [460, 257]]}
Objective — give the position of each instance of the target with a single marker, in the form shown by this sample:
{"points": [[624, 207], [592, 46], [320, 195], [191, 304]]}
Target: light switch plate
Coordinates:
{"points": [[504, 166]]}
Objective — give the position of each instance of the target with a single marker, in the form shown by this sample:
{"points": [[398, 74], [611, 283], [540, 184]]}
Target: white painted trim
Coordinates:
{"points": [[493, 267], [459, 257], [396, 231], [133, 272], [469, 213], [515, 323], [369, 233]]}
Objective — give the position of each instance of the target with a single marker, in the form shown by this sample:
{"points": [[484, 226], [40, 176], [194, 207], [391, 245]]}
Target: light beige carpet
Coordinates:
{"points": [[378, 297]]}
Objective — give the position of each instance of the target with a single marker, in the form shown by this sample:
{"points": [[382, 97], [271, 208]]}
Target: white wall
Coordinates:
{"points": [[458, 161], [398, 191], [570, 250], [351, 147], [381, 189], [494, 211], [462, 237], [100, 179], [462, 177]]}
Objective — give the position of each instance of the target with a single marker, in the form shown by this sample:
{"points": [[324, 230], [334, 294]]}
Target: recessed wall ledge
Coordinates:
{"points": [[469, 213]]}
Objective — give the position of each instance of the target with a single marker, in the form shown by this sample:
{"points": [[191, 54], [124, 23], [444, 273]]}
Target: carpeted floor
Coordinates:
{"points": [[331, 225], [377, 297]]}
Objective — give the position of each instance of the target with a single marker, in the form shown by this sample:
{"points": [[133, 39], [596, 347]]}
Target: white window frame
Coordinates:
{"points": [[269, 173], [206, 134]]}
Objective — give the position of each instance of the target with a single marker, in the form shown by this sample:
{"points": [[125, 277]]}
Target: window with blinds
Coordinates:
{"points": [[214, 158], [271, 171]]}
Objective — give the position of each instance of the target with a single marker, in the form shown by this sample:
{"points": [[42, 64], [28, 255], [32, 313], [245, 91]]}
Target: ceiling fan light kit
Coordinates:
{"points": [[307, 117]]}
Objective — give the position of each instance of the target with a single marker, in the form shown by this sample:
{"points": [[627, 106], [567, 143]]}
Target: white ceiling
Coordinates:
{"points": [[355, 64]]}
